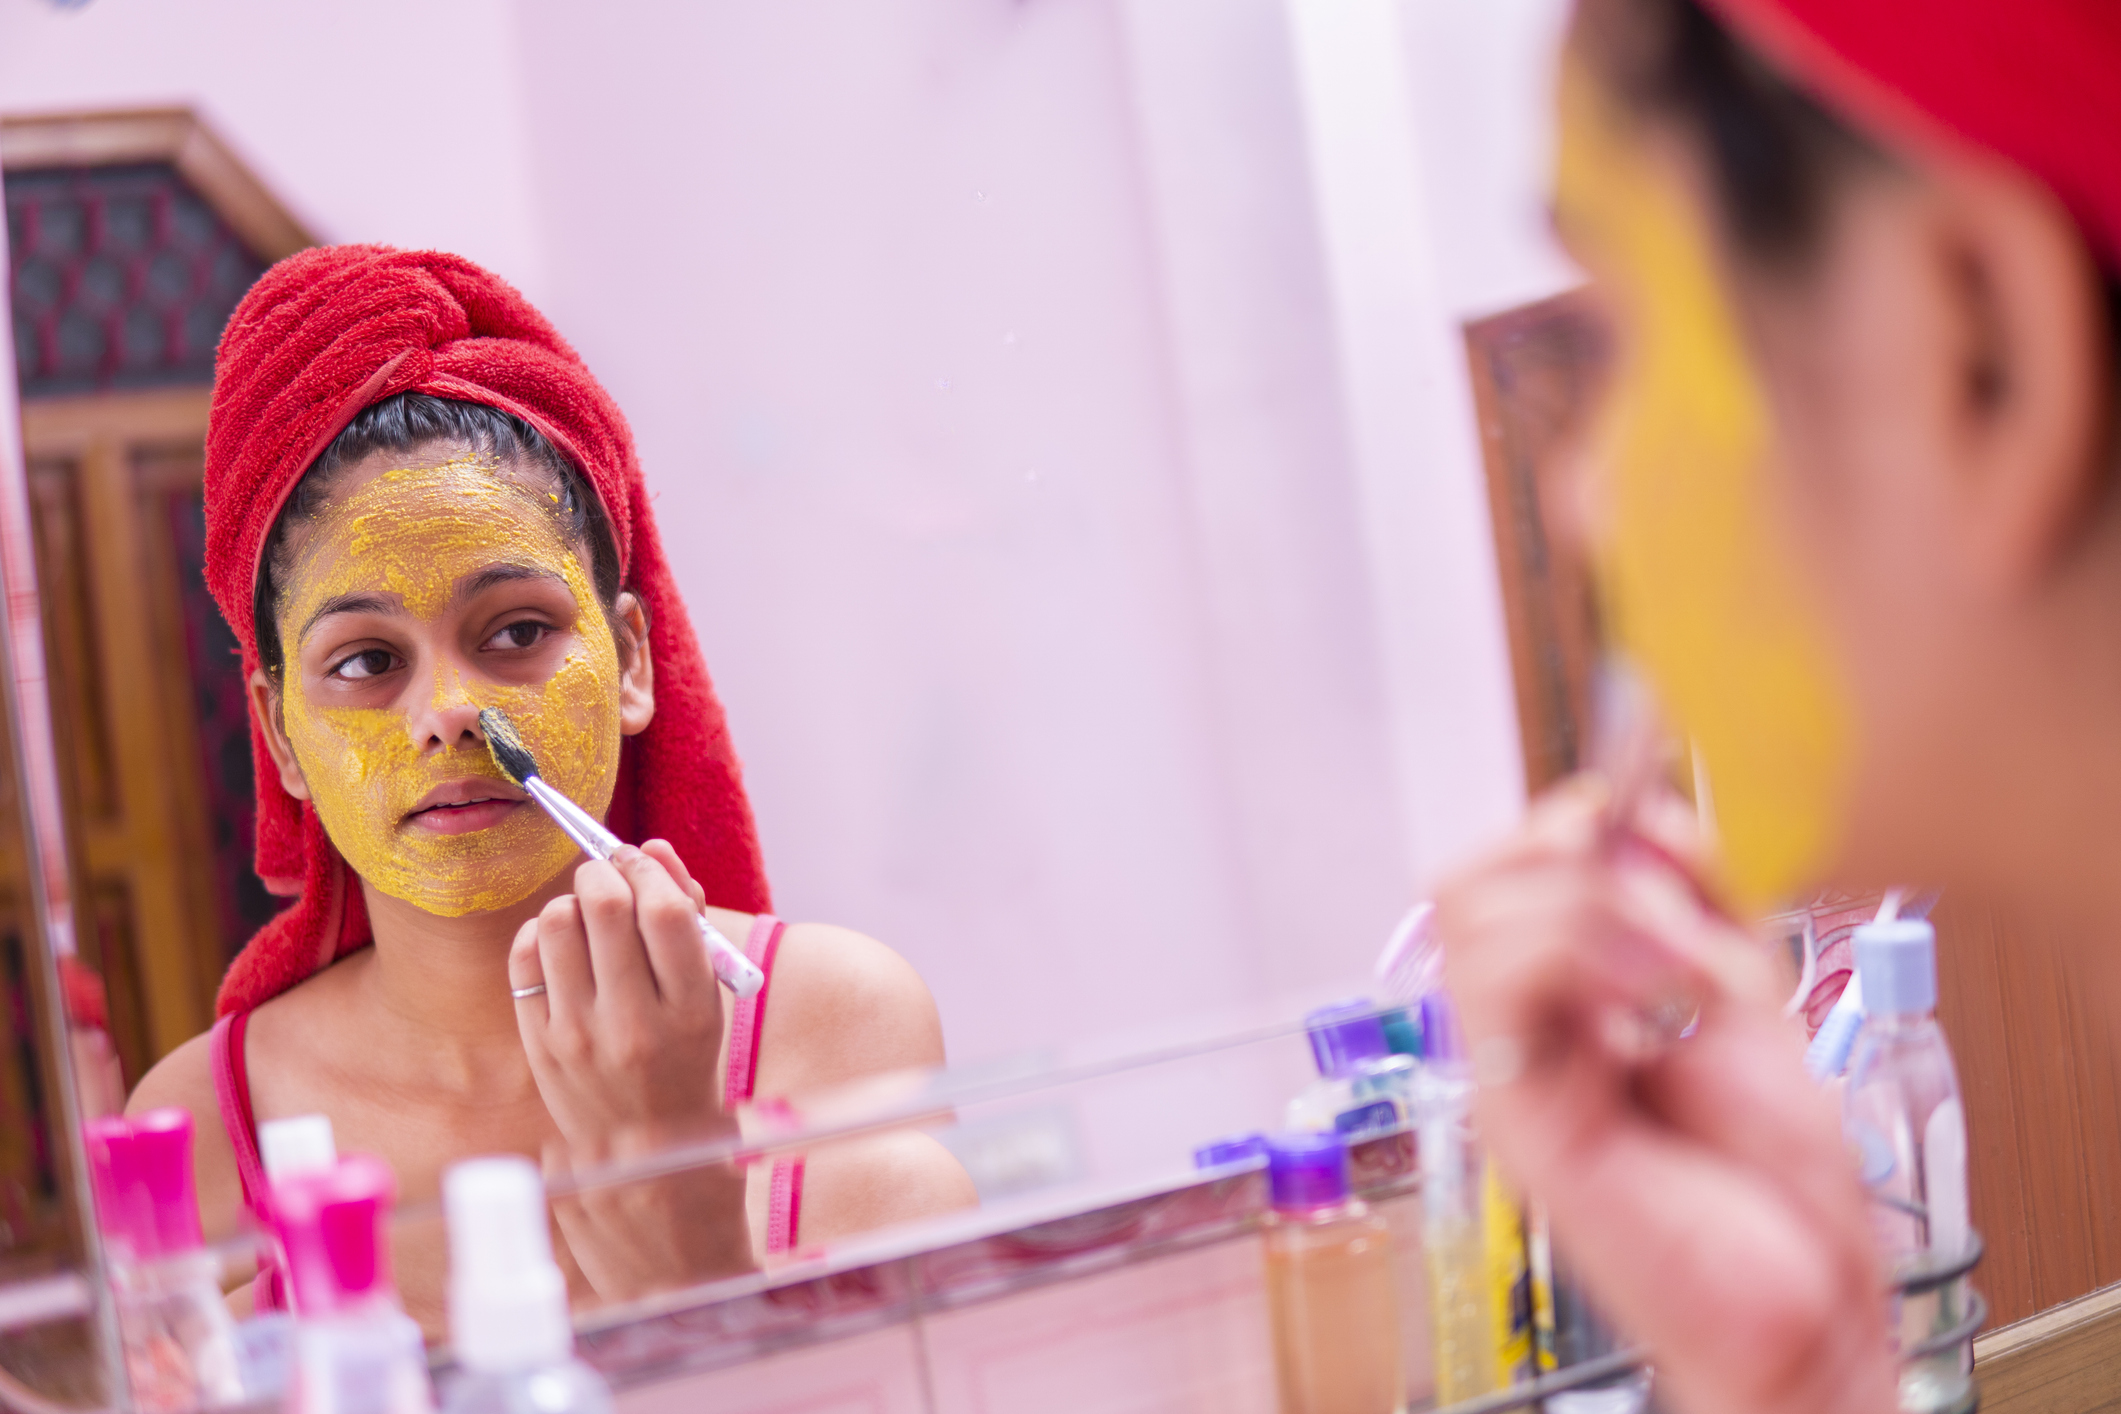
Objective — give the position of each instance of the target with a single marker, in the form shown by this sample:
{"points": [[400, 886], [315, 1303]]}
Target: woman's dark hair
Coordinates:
{"points": [[1776, 155], [413, 422]]}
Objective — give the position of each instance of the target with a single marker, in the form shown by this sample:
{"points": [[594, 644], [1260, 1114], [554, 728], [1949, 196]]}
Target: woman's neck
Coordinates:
{"points": [[446, 979]]}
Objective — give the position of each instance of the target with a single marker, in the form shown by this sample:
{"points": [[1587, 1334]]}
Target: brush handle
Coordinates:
{"points": [[738, 973], [577, 824]]}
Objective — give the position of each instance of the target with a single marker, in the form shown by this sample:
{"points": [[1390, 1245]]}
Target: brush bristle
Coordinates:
{"points": [[507, 748]]}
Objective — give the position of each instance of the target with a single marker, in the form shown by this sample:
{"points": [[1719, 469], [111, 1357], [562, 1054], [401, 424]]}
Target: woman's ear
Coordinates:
{"points": [[265, 711], [629, 624], [2028, 391]]}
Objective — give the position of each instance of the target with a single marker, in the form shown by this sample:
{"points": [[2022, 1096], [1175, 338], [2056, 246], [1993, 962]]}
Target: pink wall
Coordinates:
{"points": [[989, 364]]}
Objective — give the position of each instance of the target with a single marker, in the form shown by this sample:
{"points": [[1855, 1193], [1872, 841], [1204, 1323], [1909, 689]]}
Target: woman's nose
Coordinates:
{"points": [[449, 717]]}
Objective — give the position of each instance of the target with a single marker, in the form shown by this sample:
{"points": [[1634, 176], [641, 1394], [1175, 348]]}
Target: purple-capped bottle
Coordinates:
{"points": [[1365, 1085], [1329, 1285]]}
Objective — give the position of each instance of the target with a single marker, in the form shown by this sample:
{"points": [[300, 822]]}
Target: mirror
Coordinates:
{"points": [[1030, 439]]}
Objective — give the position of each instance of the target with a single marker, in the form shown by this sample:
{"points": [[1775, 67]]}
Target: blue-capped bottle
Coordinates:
{"points": [[1364, 1087], [1330, 1294], [1904, 1118]]}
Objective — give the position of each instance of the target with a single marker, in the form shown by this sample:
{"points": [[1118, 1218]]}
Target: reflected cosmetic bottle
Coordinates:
{"points": [[179, 1339], [356, 1351], [1365, 1085], [1329, 1285], [508, 1316]]}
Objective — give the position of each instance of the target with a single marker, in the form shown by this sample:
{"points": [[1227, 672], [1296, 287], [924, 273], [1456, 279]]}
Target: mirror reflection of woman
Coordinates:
{"points": [[419, 504], [1858, 518]]}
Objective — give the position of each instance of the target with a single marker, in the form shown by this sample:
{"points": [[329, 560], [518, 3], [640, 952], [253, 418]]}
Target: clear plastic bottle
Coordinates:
{"points": [[1473, 1232], [1364, 1088], [1329, 1285], [179, 1339], [508, 1314], [1905, 1120], [1462, 1306], [356, 1351], [265, 1340]]}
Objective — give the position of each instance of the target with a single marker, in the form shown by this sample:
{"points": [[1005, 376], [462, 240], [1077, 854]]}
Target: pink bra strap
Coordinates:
{"points": [[747, 1018], [232, 1096], [784, 1205], [747, 1023]]}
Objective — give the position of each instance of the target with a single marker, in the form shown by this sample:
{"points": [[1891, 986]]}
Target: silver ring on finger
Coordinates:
{"points": [[533, 991]]}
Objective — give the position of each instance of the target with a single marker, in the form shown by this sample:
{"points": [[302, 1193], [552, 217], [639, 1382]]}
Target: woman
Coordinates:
{"points": [[420, 503], [1858, 519]]}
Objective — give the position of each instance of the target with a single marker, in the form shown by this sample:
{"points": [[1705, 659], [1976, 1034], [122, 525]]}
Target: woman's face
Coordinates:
{"points": [[1690, 538], [1851, 512], [422, 593]]}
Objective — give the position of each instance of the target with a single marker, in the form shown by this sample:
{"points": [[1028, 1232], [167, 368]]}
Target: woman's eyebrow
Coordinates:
{"points": [[471, 586], [348, 604]]}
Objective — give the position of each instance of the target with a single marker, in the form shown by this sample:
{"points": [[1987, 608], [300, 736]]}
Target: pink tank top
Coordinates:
{"points": [[747, 1022]]}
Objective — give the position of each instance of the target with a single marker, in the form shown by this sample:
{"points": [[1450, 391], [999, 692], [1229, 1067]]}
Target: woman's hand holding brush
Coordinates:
{"points": [[623, 1042], [1699, 1185]]}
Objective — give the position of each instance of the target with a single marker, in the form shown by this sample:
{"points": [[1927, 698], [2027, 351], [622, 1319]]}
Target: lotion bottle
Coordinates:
{"points": [[1904, 1118], [1329, 1285], [356, 1351], [508, 1319], [179, 1340]]}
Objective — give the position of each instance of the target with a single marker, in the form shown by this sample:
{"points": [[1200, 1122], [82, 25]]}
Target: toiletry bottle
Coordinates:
{"points": [[1907, 1126], [296, 1145], [178, 1338], [508, 1320], [1363, 1088], [265, 1339], [1509, 1275], [356, 1351], [1462, 1306], [1247, 1149], [1329, 1285], [1473, 1233]]}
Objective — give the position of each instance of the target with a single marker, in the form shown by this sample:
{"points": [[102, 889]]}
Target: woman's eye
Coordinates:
{"points": [[526, 634], [373, 662]]}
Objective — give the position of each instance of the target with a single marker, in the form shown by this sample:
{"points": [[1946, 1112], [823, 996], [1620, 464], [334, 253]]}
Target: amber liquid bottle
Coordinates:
{"points": [[1329, 1285]]}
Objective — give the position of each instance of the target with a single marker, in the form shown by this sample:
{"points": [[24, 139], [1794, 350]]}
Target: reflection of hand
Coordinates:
{"points": [[1699, 1186], [623, 1044]]}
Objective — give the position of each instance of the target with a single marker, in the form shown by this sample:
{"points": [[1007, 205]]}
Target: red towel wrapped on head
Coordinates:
{"points": [[319, 338], [2037, 82]]}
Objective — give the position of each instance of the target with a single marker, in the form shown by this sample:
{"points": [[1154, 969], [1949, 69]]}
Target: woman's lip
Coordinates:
{"points": [[463, 819], [468, 791]]}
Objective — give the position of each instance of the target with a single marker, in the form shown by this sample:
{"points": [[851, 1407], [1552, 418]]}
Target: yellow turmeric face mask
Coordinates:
{"points": [[1696, 571], [403, 549]]}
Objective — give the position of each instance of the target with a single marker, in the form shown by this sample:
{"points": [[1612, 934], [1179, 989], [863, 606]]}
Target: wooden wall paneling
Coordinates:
{"points": [[174, 978], [1969, 1004], [1533, 372], [173, 135], [121, 685], [2050, 1112], [162, 474], [177, 989], [2065, 1361]]}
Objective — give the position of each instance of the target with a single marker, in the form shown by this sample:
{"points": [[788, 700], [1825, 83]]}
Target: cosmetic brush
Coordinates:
{"points": [[738, 973]]}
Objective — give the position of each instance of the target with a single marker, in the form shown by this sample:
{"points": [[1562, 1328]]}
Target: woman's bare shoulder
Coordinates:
{"points": [[185, 1079], [843, 1005]]}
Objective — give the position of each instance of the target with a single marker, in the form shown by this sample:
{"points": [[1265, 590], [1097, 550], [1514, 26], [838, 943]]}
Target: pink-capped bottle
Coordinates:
{"points": [[356, 1351], [179, 1339]]}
